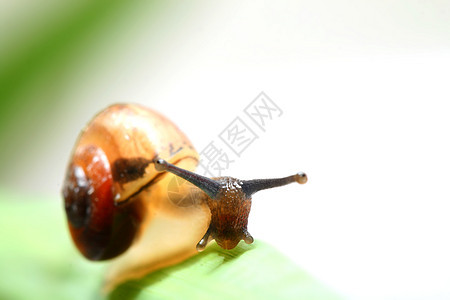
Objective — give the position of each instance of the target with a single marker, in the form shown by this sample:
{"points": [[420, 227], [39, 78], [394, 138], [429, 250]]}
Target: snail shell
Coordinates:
{"points": [[117, 204]]}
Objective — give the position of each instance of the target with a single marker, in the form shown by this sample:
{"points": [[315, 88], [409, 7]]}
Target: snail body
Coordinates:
{"points": [[130, 194]]}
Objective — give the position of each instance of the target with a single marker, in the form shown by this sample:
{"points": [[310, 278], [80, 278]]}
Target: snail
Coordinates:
{"points": [[130, 195]]}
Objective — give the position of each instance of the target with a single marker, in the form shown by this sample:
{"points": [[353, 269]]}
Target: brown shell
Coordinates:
{"points": [[129, 133], [159, 224]]}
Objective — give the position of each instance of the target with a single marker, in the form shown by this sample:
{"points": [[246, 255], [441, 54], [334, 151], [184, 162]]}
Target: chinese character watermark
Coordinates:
{"points": [[213, 161], [230, 144], [262, 110], [238, 136]]}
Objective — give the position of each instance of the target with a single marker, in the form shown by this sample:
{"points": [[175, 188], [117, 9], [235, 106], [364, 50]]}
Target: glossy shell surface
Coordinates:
{"points": [[166, 214]]}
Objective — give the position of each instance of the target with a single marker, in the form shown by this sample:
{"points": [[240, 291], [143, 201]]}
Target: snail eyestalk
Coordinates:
{"points": [[229, 201], [209, 186], [248, 239], [204, 241], [252, 186]]}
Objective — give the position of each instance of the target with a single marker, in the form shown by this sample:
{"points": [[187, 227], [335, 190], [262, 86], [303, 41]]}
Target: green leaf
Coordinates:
{"points": [[256, 271], [38, 261]]}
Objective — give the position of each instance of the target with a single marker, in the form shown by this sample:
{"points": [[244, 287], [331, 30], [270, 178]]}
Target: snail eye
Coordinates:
{"points": [[77, 193]]}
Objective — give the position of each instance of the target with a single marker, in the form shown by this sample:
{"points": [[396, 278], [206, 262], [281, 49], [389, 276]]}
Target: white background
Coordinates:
{"points": [[363, 86]]}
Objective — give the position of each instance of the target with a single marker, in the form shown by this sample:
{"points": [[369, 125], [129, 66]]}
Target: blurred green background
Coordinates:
{"points": [[47, 49], [363, 86]]}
